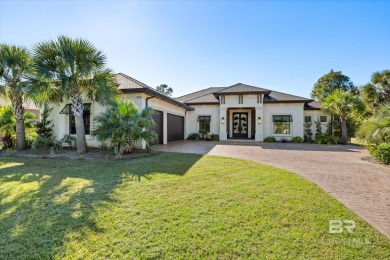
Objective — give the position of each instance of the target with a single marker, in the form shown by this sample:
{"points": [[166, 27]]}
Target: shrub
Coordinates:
{"points": [[382, 153], [270, 139], [308, 134], [203, 133], [69, 140], [193, 136], [297, 139], [214, 137], [8, 127], [55, 146], [325, 138]]}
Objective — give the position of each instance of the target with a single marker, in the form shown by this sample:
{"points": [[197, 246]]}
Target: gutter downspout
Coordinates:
{"points": [[147, 99]]}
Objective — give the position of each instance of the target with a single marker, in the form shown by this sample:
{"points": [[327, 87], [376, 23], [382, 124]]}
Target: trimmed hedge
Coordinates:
{"points": [[270, 139], [214, 137], [193, 136], [297, 139]]}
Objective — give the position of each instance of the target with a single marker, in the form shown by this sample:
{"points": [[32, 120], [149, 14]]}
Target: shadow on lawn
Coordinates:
{"points": [[45, 202]]}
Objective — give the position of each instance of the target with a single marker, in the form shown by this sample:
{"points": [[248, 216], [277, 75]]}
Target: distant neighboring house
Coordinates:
{"points": [[238, 111], [29, 107]]}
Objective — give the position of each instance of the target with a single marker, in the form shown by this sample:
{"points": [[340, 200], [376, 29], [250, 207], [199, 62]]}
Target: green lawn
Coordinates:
{"points": [[189, 206]]}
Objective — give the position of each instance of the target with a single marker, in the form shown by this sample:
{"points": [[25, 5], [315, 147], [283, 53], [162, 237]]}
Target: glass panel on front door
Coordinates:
{"points": [[240, 125]]}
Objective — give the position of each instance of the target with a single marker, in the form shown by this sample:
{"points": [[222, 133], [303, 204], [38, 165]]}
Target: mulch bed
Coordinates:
{"points": [[71, 154]]}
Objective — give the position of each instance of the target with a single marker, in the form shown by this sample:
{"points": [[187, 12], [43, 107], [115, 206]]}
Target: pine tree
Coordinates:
{"points": [[45, 126]]}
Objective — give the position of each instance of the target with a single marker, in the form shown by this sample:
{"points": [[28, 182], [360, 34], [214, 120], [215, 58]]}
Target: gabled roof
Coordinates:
{"points": [[204, 96], [280, 97], [211, 95], [240, 88], [128, 84]]}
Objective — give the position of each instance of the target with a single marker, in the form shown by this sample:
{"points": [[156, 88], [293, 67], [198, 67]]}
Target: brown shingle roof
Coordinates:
{"points": [[241, 88], [315, 105], [278, 97], [208, 95], [128, 84], [204, 94]]}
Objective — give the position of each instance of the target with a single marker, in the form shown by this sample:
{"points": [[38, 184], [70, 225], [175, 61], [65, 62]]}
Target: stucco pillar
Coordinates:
{"points": [[165, 127], [259, 136], [222, 124]]}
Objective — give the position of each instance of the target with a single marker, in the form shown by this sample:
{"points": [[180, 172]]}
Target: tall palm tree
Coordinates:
{"points": [[73, 67], [343, 104], [15, 69]]}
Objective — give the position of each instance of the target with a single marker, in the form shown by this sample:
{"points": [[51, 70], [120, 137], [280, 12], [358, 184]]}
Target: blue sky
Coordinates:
{"points": [[191, 45]]}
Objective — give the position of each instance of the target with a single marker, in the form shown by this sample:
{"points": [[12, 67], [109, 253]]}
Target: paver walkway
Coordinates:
{"points": [[362, 186]]}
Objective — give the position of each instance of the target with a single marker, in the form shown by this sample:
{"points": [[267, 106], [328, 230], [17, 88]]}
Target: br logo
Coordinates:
{"points": [[336, 226]]}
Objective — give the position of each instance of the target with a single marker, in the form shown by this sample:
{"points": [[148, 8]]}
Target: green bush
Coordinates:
{"points": [[325, 138], [382, 153], [214, 137], [193, 136], [8, 127], [297, 139], [270, 139], [55, 146]]}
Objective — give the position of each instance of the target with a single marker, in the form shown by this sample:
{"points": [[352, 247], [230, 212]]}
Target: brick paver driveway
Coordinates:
{"points": [[362, 186]]}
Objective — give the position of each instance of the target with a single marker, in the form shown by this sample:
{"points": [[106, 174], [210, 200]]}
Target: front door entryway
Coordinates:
{"points": [[240, 125]]}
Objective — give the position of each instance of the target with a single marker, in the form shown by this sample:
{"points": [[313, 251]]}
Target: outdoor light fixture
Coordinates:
{"points": [[223, 120], [259, 120]]}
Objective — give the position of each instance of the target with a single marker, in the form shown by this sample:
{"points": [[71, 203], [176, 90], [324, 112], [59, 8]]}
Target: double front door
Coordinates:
{"points": [[240, 125]]}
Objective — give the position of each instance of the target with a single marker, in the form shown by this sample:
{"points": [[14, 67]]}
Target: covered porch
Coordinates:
{"points": [[242, 123]]}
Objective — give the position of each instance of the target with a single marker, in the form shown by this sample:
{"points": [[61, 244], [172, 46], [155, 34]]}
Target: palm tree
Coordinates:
{"points": [[73, 67], [376, 130], [343, 104], [122, 124], [15, 69]]}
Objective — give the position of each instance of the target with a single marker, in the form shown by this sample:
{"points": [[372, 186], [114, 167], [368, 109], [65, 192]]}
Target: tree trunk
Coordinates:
{"points": [[18, 111], [78, 111], [344, 135]]}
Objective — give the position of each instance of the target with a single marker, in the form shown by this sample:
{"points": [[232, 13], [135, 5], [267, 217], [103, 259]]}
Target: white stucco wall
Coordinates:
{"points": [[293, 109], [315, 115], [192, 124]]}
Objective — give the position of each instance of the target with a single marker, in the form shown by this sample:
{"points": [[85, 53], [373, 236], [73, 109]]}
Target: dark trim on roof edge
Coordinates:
{"points": [[202, 103], [241, 93], [289, 101], [159, 95], [308, 108]]}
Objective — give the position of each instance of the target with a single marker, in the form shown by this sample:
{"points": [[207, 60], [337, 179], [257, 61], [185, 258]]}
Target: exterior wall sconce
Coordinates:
{"points": [[259, 120], [222, 120]]}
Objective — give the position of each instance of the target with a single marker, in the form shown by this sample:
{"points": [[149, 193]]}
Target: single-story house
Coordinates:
{"points": [[239, 111]]}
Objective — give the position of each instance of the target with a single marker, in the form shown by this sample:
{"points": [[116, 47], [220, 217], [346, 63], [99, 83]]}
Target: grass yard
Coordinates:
{"points": [[171, 206]]}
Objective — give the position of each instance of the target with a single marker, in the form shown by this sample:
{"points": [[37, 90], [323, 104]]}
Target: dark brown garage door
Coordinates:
{"points": [[158, 119], [175, 128]]}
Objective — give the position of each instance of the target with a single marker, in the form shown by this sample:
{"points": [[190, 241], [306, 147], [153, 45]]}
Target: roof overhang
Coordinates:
{"points": [[154, 93], [241, 93], [202, 103], [288, 101]]}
